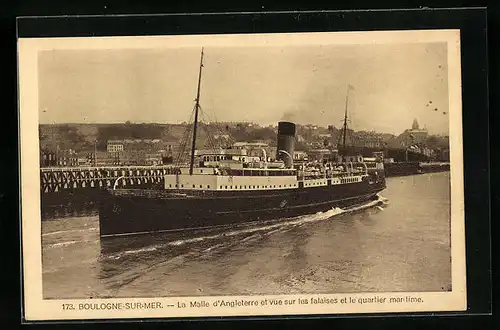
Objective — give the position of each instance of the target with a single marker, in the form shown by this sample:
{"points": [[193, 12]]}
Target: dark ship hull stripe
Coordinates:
{"points": [[127, 215], [299, 206]]}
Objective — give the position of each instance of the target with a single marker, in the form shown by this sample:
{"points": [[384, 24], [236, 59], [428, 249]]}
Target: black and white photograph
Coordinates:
{"points": [[255, 174]]}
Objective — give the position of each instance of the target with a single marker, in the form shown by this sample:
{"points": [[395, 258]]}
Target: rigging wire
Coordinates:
{"points": [[216, 126], [209, 142], [184, 141], [211, 136]]}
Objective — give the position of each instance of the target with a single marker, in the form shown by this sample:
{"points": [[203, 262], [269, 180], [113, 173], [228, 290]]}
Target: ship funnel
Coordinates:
{"points": [[286, 142]]}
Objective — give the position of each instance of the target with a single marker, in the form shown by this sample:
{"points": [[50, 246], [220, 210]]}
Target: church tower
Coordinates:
{"points": [[415, 124]]}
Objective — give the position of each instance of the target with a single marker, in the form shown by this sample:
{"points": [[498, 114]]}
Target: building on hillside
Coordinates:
{"points": [[58, 157], [300, 156], [415, 135], [48, 158], [153, 159], [134, 151], [86, 158], [114, 145], [84, 162], [367, 140], [67, 158]]}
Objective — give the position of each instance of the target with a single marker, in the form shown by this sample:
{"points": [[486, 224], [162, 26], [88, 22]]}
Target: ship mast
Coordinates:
{"points": [[195, 124], [344, 128], [345, 119]]}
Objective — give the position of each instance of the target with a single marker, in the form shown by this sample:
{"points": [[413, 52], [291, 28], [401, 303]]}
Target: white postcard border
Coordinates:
{"points": [[37, 308]]}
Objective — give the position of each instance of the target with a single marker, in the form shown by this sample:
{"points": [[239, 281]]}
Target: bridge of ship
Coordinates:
{"points": [[58, 179]]}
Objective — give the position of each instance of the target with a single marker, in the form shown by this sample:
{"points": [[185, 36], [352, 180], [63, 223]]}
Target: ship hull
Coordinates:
{"points": [[129, 212]]}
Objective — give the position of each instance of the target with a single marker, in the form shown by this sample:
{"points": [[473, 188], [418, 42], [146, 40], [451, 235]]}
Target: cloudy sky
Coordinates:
{"points": [[393, 84]]}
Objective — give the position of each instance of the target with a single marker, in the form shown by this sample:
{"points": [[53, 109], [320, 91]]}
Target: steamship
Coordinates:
{"points": [[228, 187]]}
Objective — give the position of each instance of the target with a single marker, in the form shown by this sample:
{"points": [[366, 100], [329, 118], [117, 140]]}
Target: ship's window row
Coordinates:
{"points": [[237, 187], [347, 180], [182, 186], [215, 158], [257, 186], [315, 184]]}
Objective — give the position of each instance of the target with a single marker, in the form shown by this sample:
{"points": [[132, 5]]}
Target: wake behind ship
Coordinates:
{"points": [[230, 187]]}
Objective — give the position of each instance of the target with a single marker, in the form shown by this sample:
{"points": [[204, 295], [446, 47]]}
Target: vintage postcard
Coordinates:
{"points": [[241, 175]]}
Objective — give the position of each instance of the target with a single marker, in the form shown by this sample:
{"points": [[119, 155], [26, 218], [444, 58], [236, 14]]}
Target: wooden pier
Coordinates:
{"points": [[60, 179]]}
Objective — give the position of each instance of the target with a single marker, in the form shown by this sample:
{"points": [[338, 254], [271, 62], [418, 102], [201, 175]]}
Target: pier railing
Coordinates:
{"points": [[58, 179]]}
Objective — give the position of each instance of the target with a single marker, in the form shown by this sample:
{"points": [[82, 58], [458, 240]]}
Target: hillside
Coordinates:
{"points": [[81, 137]]}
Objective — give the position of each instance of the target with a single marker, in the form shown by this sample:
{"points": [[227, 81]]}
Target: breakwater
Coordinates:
{"points": [[413, 168]]}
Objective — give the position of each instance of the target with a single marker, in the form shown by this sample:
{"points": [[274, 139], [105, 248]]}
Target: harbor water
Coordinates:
{"points": [[400, 243]]}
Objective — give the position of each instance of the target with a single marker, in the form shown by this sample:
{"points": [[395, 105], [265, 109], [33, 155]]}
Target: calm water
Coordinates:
{"points": [[402, 244]]}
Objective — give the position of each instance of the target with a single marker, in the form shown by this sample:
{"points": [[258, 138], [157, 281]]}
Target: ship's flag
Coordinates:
{"points": [[350, 87]]}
